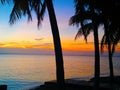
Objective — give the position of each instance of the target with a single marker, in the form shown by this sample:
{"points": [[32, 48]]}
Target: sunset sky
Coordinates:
{"points": [[26, 35]]}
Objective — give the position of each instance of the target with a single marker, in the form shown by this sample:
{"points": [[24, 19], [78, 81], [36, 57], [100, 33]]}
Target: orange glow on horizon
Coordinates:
{"points": [[79, 45], [67, 45]]}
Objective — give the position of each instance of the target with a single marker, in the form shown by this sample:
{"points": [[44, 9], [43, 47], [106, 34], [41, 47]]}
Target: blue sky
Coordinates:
{"points": [[26, 35], [63, 9]]}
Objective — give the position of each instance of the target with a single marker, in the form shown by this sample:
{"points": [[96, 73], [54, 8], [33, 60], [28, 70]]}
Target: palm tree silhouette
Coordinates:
{"points": [[58, 50], [25, 7], [99, 13], [107, 37], [112, 29], [106, 40], [81, 16]]}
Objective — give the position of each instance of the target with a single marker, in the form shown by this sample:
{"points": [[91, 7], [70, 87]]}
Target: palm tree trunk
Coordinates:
{"points": [[96, 48], [110, 54], [97, 58], [110, 63], [57, 46]]}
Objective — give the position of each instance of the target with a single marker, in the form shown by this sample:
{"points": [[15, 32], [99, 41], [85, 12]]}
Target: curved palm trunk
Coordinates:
{"points": [[110, 54], [57, 45], [110, 63], [97, 58]]}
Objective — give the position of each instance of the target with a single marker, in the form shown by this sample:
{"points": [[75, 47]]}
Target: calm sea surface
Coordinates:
{"points": [[21, 72]]}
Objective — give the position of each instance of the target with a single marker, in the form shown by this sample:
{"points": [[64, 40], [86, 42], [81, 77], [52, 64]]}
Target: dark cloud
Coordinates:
{"points": [[82, 43], [48, 44], [1, 44], [44, 44], [39, 39], [13, 43]]}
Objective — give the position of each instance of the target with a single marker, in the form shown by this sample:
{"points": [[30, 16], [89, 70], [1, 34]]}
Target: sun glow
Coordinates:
{"points": [[79, 45], [44, 44], [47, 44]]}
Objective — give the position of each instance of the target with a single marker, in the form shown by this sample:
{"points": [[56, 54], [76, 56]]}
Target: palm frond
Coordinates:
{"points": [[79, 33], [77, 18], [85, 31], [74, 20], [2, 1], [39, 8], [42, 13], [113, 49], [15, 14], [21, 7], [103, 42], [5, 1]]}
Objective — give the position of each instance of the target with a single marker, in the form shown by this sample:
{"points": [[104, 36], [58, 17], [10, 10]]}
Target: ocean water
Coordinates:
{"points": [[21, 72]]}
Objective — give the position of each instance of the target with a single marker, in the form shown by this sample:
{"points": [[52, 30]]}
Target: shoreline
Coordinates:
{"points": [[77, 84]]}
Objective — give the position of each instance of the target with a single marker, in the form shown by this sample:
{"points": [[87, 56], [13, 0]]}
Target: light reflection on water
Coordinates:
{"points": [[18, 71]]}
